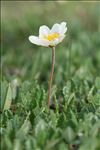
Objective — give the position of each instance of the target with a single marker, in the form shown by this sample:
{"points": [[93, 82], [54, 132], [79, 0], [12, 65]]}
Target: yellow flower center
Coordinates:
{"points": [[51, 36]]}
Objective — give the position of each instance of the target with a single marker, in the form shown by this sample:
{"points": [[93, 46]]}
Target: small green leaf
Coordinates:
{"points": [[4, 87], [8, 98], [68, 134], [97, 83]]}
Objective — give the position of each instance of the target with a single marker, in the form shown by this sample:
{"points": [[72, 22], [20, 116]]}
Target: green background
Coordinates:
{"points": [[26, 122]]}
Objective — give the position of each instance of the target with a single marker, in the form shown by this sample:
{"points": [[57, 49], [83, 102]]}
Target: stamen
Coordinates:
{"points": [[52, 36]]}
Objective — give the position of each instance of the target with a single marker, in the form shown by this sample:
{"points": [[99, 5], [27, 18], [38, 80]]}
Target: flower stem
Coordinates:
{"points": [[51, 75]]}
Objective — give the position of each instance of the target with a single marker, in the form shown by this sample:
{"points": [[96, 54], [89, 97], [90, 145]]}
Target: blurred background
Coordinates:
{"points": [[78, 56]]}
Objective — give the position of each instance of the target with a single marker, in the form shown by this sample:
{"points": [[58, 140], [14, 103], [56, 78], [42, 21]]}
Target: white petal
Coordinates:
{"points": [[63, 24], [43, 30], [36, 40], [55, 28], [44, 43], [63, 28], [57, 41], [54, 42], [61, 38]]}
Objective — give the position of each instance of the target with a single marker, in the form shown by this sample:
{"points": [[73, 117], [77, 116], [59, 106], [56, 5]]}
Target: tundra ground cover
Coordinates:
{"points": [[74, 122]]}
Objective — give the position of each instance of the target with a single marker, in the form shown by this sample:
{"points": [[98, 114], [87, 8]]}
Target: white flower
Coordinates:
{"points": [[49, 37]]}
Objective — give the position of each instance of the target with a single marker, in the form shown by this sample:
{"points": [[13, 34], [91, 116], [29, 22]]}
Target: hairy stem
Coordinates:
{"points": [[51, 75]]}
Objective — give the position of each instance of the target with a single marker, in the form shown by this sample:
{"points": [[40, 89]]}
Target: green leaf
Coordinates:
{"points": [[41, 131], [4, 87], [97, 83], [8, 98], [68, 134]]}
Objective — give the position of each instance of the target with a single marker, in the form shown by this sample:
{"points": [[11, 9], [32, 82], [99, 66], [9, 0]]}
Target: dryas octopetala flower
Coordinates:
{"points": [[49, 37]]}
